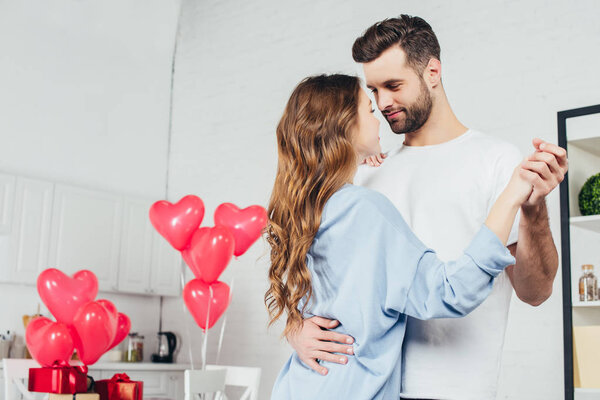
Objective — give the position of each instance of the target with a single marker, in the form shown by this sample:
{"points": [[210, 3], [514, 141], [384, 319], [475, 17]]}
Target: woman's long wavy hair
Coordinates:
{"points": [[316, 158]]}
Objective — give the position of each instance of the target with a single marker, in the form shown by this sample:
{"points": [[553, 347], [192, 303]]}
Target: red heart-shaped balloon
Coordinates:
{"points": [[94, 330], [113, 314], [123, 328], [209, 252], [177, 222], [246, 225], [206, 302], [64, 295], [48, 341]]}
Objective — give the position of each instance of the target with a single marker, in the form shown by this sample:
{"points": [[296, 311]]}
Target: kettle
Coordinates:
{"points": [[166, 347]]}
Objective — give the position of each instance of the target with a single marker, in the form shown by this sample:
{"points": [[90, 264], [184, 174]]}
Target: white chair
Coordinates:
{"points": [[201, 382], [248, 377], [16, 374]]}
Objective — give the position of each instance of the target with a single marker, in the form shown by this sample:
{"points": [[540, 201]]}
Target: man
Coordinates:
{"points": [[443, 180]]}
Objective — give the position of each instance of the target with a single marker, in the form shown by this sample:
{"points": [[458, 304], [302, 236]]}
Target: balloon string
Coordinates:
{"points": [[205, 341], [222, 334], [185, 316]]}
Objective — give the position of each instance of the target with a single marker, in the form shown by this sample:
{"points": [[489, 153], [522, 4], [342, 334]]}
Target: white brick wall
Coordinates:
{"points": [[508, 67]]}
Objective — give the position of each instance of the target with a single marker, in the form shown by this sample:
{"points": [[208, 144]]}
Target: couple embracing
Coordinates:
{"points": [[395, 271]]}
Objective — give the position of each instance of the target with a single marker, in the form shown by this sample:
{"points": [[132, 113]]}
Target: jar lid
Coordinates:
{"points": [[587, 267]]}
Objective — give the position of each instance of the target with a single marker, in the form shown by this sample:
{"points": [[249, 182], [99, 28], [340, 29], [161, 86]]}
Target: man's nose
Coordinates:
{"points": [[384, 100]]}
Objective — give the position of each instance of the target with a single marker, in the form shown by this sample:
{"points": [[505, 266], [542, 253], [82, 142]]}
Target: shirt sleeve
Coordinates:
{"points": [[455, 288], [381, 259]]}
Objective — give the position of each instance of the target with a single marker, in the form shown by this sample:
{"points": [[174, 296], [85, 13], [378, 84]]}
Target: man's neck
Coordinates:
{"points": [[441, 126]]}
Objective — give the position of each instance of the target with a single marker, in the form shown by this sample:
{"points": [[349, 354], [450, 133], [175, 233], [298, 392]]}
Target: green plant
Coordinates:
{"points": [[589, 196]]}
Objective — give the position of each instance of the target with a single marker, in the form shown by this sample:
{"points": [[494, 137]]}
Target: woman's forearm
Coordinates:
{"points": [[502, 216]]}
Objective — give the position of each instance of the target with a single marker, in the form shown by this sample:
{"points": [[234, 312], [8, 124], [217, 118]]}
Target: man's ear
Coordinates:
{"points": [[433, 73]]}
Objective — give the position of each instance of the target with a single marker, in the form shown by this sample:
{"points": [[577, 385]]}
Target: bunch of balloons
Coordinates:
{"points": [[92, 327], [207, 250]]}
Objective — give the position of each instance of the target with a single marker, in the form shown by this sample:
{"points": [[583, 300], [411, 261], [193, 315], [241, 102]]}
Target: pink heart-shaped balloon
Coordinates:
{"points": [[94, 330], [246, 225], [123, 328], [206, 302], [209, 252], [48, 341], [64, 295], [113, 314], [177, 222]]}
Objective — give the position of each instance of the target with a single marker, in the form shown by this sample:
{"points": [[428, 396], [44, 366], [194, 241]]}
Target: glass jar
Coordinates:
{"points": [[588, 284], [135, 348]]}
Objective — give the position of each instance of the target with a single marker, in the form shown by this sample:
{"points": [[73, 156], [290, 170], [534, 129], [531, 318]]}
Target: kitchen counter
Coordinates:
{"points": [[140, 366], [131, 366], [163, 381]]}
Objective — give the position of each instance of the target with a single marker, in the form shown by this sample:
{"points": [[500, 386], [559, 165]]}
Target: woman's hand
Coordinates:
{"points": [[314, 342], [502, 215], [519, 187], [376, 160]]}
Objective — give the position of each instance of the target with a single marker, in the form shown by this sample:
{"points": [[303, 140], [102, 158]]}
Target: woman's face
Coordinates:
{"points": [[366, 138]]}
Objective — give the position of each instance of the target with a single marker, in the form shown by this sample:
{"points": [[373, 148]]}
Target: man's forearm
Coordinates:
{"points": [[536, 256]]}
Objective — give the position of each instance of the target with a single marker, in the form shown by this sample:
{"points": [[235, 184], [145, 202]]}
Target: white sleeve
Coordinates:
{"points": [[507, 159]]}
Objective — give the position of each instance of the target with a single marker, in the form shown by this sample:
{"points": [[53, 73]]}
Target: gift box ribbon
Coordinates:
{"points": [[72, 378], [63, 364], [123, 377], [119, 387], [54, 384]]}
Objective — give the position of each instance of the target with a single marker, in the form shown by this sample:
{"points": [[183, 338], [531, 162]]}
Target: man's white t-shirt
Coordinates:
{"points": [[444, 192]]}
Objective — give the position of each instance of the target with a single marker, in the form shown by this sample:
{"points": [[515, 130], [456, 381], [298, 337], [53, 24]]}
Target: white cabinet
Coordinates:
{"points": [[30, 237], [136, 249], [86, 233], [165, 268], [7, 194], [148, 264], [7, 190], [47, 225]]}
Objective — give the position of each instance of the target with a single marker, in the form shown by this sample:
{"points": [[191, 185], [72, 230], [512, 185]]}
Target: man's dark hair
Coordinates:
{"points": [[413, 34]]}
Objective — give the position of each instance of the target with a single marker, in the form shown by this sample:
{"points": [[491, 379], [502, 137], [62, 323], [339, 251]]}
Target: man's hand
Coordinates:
{"points": [[537, 259], [314, 342], [376, 160], [549, 163]]}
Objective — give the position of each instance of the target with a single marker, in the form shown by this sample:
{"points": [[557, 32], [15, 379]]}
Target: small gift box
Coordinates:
{"points": [[77, 396], [59, 378], [119, 387]]}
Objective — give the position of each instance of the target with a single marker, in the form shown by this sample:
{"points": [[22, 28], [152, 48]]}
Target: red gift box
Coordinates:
{"points": [[119, 387], [59, 378]]}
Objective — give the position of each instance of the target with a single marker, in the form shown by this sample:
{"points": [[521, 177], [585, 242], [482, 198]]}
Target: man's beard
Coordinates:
{"points": [[416, 114]]}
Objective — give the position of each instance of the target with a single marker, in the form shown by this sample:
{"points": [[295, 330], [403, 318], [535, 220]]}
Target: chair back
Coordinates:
{"points": [[198, 382], [248, 377], [16, 375]]}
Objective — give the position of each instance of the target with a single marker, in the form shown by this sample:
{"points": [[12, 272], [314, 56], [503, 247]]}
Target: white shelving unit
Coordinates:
{"points": [[586, 304], [587, 394], [579, 130], [590, 144], [591, 222]]}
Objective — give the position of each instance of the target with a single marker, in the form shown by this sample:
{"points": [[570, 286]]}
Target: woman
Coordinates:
{"points": [[344, 252]]}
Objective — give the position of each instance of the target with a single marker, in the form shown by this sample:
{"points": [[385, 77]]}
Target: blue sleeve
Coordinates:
{"points": [[382, 257], [455, 288]]}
